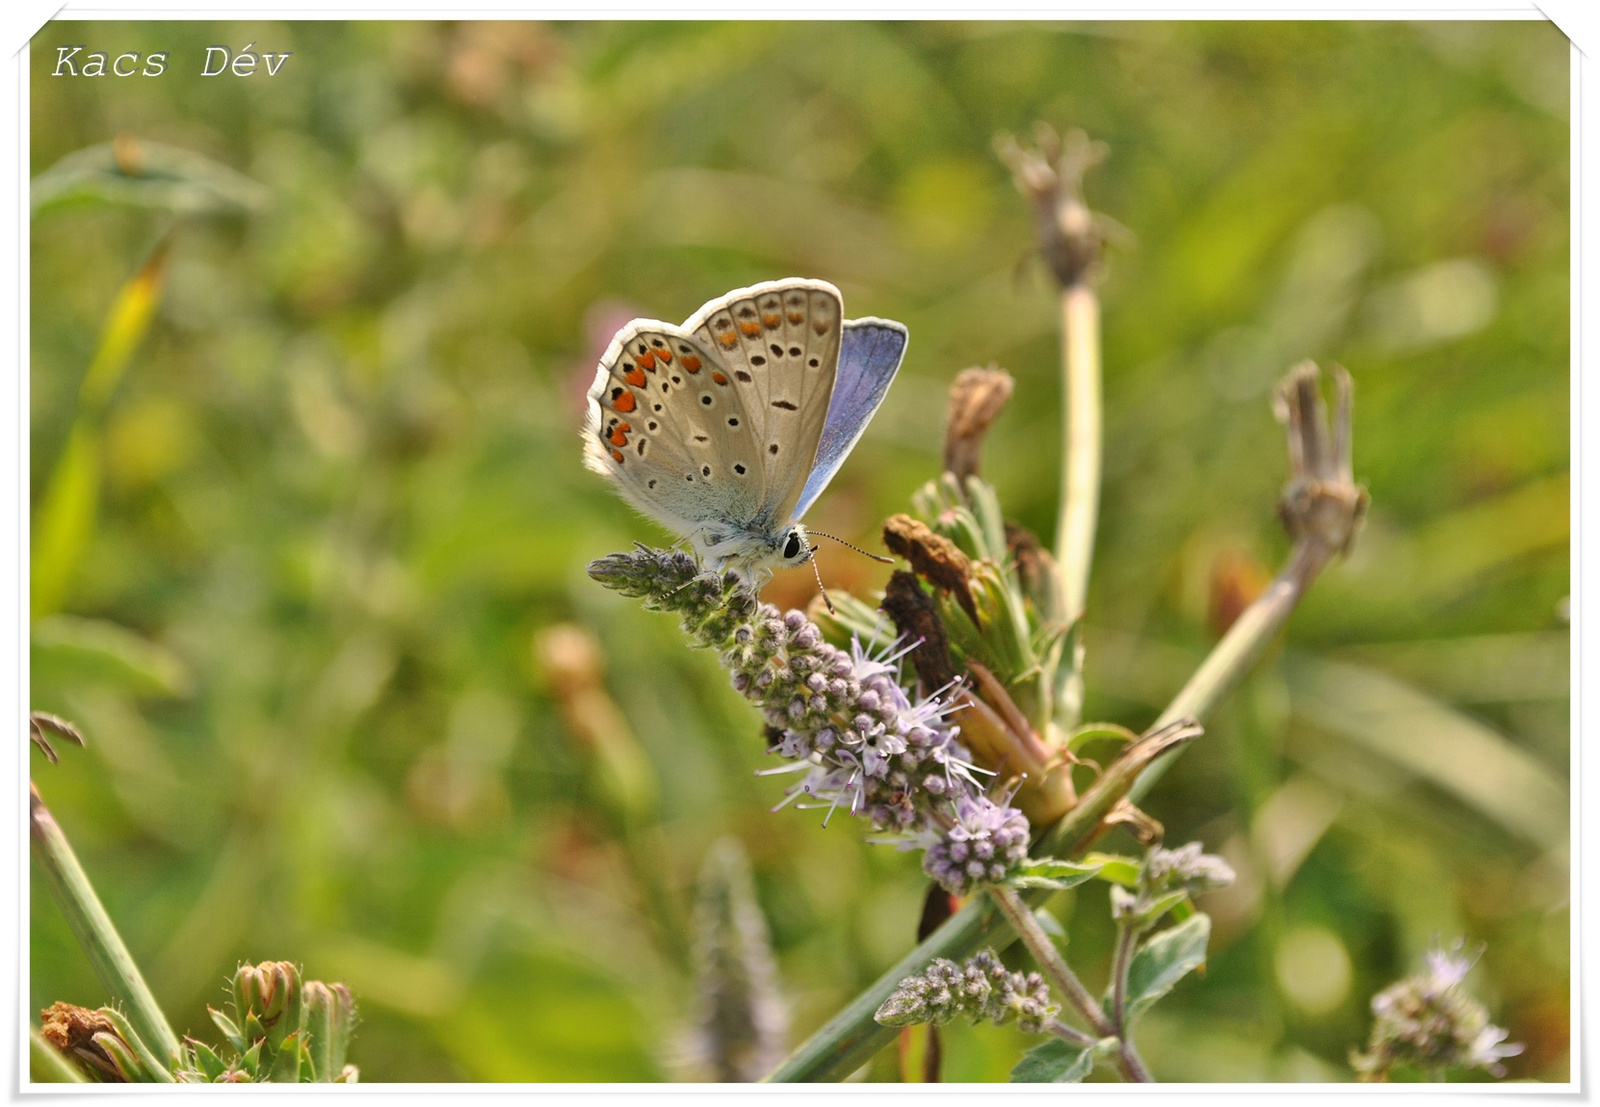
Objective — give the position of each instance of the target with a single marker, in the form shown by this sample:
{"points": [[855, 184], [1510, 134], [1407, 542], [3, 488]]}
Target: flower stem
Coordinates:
{"points": [[1048, 957], [1127, 938], [1119, 975], [94, 930], [1080, 429], [1059, 973], [1132, 1064], [1080, 475], [1240, 647], [1069, 1033]]}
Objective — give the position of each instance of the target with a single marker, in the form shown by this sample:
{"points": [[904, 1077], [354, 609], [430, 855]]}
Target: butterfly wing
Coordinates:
{"points": [[870, 351], [780, 343], [667, 426]]}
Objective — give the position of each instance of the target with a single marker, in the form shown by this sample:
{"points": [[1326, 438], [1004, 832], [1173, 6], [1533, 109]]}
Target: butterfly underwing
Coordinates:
{"points": [[726, 429]]}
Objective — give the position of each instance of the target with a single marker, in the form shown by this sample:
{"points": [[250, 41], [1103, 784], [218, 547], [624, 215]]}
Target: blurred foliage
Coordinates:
{"points": [[336, 497]]}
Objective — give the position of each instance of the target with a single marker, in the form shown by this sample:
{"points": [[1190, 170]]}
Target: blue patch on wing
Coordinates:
{"points": [[869, 356]]}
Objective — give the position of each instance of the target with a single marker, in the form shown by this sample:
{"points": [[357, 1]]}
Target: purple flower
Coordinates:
{"points": [[986, 842]]}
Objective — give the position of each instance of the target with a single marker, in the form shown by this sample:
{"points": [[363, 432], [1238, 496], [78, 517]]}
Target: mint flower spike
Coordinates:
{"points": [[1429, 1020], [983, 989], [863, 742]]}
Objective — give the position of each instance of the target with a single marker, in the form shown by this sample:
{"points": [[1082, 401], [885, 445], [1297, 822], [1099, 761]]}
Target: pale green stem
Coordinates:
{"points": [[1080, 429], [94, 930], [1249, 636], [1080, 475]]}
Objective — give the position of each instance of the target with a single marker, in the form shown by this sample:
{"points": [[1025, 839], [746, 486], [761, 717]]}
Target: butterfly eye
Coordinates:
{"points": [[791, 547]]}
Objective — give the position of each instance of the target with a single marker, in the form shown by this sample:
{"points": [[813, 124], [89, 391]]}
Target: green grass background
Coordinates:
{"points": [[339, 494]]}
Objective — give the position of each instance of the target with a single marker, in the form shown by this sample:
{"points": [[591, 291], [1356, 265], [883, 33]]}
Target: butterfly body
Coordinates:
{"points": [[727, 428]]}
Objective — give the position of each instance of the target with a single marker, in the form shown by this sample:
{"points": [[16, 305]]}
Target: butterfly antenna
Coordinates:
{"points": [[818, 575], [857, 549]]}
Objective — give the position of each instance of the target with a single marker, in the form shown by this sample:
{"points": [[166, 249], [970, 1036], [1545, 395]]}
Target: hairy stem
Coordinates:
{"points": [[1132, 1064], [1127, 938], [1069, 1033], [1059, 973], [94, 930], [1119, 976], [1048, 958]]}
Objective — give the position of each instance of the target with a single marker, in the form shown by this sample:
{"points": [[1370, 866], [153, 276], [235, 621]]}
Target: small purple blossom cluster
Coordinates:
{"points": [[840, 717], [1430, 1021], [987, 841], [983, 989], [1166, 874]]}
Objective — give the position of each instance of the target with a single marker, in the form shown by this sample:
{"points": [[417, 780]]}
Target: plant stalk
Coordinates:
{"points": [[1080, 431], [93, 928], [1069, 1033], [1049, 959], [1059, 973], [1234, 656], [1127, 937]]}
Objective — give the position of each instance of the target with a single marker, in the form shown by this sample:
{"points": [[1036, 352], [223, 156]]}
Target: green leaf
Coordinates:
{"points": [[153, 1070], [65, 519], [127, 1062], [147, 174], [206, 1059], [75, 651], [1116, 868], [1164, 960], [1050, 872], [1099, 732], [1168, 902], [287, 1064], [229, 1031], [250, 1062], [1059, 1062]]}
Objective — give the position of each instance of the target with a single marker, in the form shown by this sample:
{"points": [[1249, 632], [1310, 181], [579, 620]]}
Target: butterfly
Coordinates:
{"points": [[728, 428]]}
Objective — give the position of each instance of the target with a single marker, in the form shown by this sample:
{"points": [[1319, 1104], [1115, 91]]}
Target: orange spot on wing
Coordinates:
{"points": [[625, 402], [796, 317], [719, 378], [690, 363], [729, 339], [665, 356], [772, 321], [750, 329], [618, 437], [647, 360], [634, 376], [618, 455]]}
